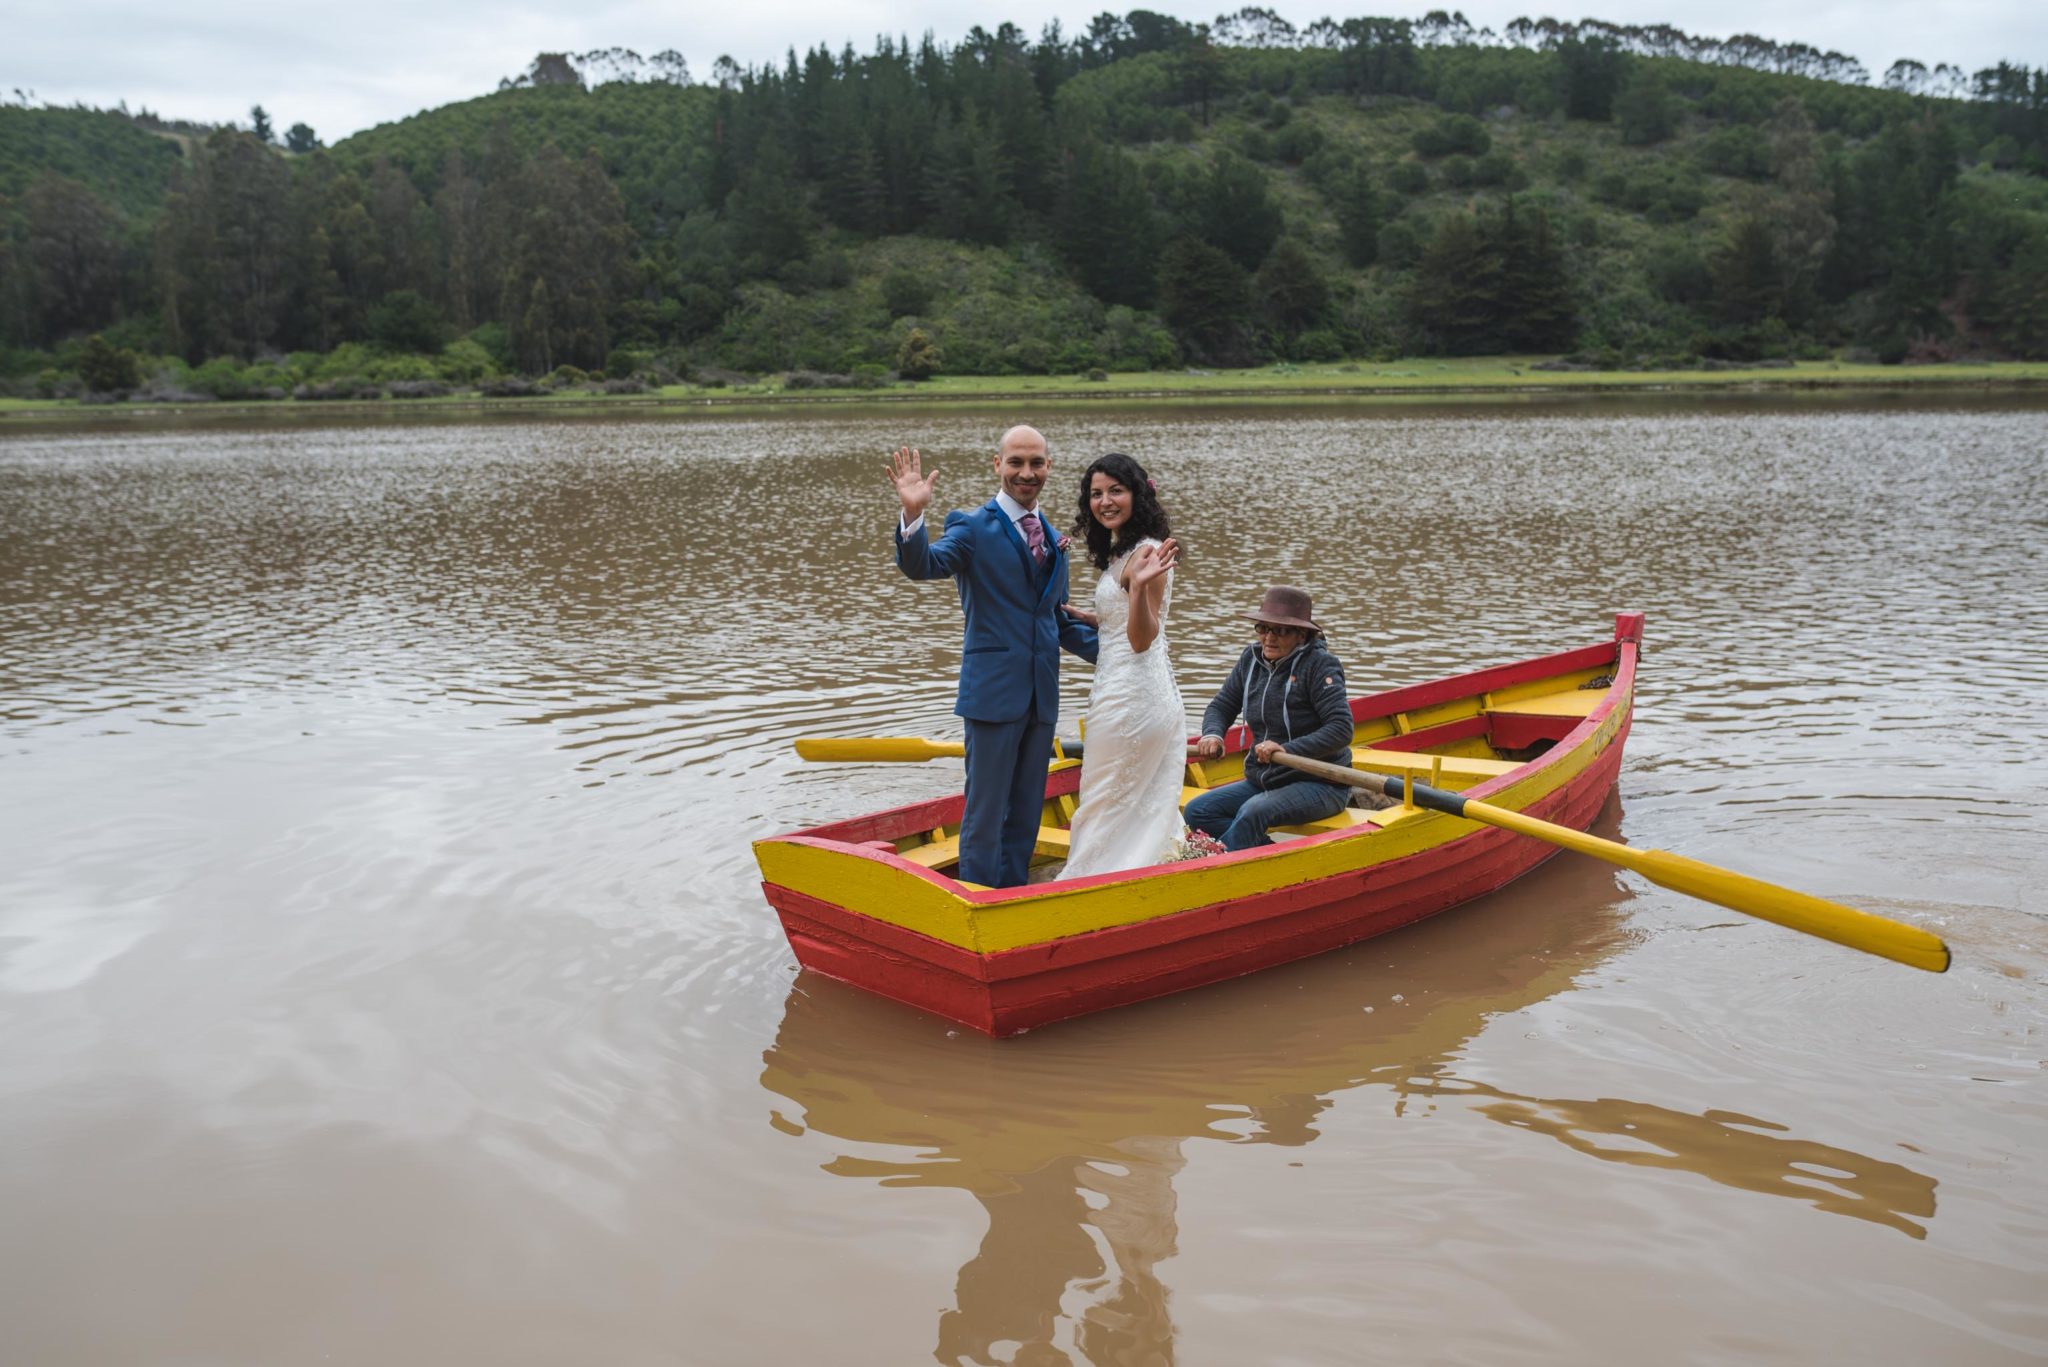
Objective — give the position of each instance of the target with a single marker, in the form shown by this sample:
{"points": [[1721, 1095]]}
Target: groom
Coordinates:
{"points": [[1011, 569]]}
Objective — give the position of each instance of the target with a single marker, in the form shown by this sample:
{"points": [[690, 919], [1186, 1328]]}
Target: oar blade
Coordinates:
{"points": [[1896, 940], [876, 749]]}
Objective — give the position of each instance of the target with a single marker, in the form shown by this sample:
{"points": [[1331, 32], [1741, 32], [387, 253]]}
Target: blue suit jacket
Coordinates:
{"points": [[1010, 660]]}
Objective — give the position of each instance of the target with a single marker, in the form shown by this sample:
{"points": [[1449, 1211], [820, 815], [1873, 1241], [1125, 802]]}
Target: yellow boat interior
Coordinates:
{"points": [[1453, 742]]}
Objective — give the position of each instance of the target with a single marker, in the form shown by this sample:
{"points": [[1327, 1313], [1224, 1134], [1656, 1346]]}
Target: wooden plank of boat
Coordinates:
{"points": [[864, 900]]}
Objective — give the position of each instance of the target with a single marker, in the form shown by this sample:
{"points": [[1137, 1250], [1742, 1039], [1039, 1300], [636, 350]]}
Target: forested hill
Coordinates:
{"points": [[1146, 194], [125, 166]]}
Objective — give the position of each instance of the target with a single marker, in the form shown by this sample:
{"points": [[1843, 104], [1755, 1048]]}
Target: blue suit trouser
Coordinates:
{"points": [[1238, 814], [1006, 764]]}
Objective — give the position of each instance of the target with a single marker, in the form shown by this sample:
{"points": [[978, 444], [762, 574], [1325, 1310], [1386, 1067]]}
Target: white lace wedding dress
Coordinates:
{"points": [[1136, 745]]}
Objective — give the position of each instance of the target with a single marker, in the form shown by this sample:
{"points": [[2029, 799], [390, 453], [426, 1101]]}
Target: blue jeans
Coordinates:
{"points": [[1239, 815]]}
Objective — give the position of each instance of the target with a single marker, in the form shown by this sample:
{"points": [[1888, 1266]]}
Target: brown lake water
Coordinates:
{"points": [[384, 976]]}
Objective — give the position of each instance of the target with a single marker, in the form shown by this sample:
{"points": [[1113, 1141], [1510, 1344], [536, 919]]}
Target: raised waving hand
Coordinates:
{"points": [[1145, 580], [1148, 563], [913, 486]]}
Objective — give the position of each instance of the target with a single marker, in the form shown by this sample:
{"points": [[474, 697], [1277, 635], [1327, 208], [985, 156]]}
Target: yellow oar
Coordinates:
{"points": [[898, 749], [1796, 910], [878, 749]]}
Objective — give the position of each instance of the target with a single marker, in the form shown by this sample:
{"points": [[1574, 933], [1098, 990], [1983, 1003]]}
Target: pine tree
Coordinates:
{"points": [[1292, 293], [1645, 109], [1591, 71], [1206, 300], [1537, 312], [1105, 227], [1234, 213], [967, 181], [1746, 283], [1356, 203], [851, 194], [1455, 296], [769, 211], [2014, 301], [1199, 71], [1016, 116]]}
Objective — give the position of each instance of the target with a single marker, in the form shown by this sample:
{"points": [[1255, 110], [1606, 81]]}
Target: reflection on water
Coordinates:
{"points": [[1721, 1145], [374, 816], [1070, 1139]]}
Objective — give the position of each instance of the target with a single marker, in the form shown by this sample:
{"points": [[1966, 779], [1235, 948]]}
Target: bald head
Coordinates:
{"points": [[1021, 464], [1022, 432]]}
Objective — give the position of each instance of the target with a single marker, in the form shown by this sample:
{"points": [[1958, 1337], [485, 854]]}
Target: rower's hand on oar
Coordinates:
{"points": [[1208, 747], [913, 486], [1265, 750], [1081, 615]]}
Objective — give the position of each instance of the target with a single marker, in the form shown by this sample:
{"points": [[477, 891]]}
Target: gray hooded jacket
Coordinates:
{"points": [[1298, 700]]}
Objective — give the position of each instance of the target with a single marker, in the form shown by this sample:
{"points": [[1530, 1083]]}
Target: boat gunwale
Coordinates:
{"points": [[1622, 650]]}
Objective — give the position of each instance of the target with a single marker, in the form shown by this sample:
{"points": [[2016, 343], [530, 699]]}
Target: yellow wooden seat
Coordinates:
{"points": [[1576, 702], [1459, 771], [943, 853], [1348, 818], [936, 854], [1342, 821]]}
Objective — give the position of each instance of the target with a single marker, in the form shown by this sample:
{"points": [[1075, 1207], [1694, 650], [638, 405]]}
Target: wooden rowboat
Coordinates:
{"points": [[869, 900]]}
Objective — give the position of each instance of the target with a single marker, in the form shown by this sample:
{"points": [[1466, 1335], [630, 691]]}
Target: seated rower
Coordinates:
{"points": [[1290, 689]]}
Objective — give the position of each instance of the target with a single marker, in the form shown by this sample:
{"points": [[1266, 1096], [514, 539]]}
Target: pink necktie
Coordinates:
{"points": [[1034, 537]]}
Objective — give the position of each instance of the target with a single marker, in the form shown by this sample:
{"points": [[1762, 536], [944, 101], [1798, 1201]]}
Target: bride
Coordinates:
{"points": [[1129, 814]]}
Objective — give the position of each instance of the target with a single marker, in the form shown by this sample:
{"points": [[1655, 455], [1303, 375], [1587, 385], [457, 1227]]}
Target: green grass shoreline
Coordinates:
{"points": [[1489, 377]]}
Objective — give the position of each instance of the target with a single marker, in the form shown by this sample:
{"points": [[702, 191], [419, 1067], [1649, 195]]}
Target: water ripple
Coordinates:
{"points": [[376, 900]]}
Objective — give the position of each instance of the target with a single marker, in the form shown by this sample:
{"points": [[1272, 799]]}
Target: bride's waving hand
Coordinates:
{"points": [[1145, 577]]}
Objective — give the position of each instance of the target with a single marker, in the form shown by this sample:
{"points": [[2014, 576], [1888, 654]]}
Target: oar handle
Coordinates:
{"points": [[1389, 785], [892, 749]]}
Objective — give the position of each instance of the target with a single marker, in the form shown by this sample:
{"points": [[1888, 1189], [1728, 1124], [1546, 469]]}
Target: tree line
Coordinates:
{"points": [[1144, 192]]}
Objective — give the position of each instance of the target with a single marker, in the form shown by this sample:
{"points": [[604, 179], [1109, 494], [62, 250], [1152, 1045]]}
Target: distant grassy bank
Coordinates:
{"points": [[1363, 381]]}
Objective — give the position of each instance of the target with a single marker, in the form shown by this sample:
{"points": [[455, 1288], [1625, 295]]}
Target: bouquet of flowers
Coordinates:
{"points": [[1197, 845]]}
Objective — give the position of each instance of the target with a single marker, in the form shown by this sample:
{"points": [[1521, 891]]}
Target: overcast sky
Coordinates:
{"points": [[342, 68]]}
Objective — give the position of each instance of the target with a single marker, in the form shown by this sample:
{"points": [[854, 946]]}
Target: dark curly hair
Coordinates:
{"points": [[1148, 517]]}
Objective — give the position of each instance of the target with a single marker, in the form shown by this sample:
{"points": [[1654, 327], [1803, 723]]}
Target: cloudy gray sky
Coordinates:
{"points": [[345, 67]]}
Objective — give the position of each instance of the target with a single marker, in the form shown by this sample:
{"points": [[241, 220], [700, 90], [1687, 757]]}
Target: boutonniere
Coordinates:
{"points": [[1061, 541]]}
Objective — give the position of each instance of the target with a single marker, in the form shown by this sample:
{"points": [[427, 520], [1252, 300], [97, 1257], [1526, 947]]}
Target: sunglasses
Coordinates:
{"points": [[1268, 629]]}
